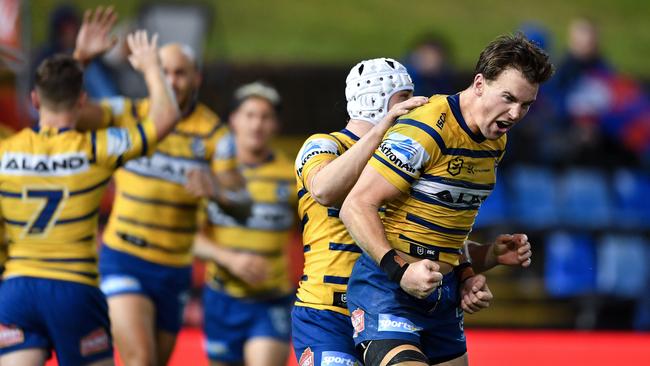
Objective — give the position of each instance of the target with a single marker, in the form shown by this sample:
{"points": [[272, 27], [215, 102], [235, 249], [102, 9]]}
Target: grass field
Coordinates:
{"points": [[340, 31]]}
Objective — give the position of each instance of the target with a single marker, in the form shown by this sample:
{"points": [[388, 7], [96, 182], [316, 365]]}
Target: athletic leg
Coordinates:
{"points": [[132, 320]]}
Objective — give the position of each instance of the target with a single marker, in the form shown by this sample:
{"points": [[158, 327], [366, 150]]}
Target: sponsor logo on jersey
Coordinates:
{"points": [[264, 216], [57, 165], [169, 168], [404, 152], [307, 358], [391, 323], [198, 147], [118, 141], [96, 341], [10, 335], [358, 322], [225, 148], [313, 148], [332, 358], [440, 123]]}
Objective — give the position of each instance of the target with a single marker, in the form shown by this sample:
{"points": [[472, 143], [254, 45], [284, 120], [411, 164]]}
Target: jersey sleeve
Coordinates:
{"points": [[122, 112], [3, 244], [403, 154], [318, 149], [223, 157], [113, 146]]}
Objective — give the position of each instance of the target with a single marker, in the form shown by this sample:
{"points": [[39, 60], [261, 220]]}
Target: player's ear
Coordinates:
{"points": [[36, 102], [478, 84]]}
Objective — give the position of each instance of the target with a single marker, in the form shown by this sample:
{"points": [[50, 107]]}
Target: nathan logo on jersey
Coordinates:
{"points": [[391, 323], [57, 165], [404, 152], [313, 148], [332, 358], [170, 168]]}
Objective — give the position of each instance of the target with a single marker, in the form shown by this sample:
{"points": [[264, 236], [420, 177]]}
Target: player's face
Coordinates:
{"points": [[181, 74], [399, 97], [254, 124], [504, 102]]}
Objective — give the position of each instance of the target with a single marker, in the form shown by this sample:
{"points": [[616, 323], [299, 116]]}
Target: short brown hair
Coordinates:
{"points": [[59, 81], [514, 51]]}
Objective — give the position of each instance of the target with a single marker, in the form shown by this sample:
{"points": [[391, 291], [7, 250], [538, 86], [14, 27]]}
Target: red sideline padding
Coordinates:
{"points": [[499, 348]]}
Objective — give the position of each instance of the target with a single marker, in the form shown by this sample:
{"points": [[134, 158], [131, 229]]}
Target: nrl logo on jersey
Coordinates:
{"points": [[43, 165]]}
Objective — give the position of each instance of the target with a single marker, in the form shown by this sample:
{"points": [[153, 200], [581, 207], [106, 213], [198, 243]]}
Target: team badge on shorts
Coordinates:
{"points": [[96, 341], [357, 321], [307, 358], [10, 336]]}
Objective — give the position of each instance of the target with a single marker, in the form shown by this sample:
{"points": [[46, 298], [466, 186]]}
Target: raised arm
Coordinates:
{"points": [[93, 40], [331, 182], [163, 110]]}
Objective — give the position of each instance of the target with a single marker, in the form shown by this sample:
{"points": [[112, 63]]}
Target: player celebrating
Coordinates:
{"points": [[145, 262], [51, 182], [432, 170], [326, 168], [247, 298]]}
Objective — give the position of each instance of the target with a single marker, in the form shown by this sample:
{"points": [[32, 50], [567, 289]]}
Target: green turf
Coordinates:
{"points": [[343, 31]]}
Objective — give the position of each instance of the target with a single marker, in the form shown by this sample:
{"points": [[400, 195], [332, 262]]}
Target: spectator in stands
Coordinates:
{"points": [[428, 65], [583, 91]]}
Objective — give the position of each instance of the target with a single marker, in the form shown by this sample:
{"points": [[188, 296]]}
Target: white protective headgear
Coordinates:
{"points": [[369, 86]]}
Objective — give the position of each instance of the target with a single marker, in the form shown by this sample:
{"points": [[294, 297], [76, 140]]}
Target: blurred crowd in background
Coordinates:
{"points": [[576, 177]]}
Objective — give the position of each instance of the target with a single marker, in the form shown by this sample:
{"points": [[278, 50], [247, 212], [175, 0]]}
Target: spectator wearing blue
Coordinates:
{"points": [[428, 65]]}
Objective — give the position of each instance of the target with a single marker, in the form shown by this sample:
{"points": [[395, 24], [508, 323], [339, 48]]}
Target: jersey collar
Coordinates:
{"points": [[454, 104]]}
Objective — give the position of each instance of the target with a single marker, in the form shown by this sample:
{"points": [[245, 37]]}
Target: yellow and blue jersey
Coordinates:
{"points": [[153, 215], [266, 232], [5, 132], [444, 170], [329, 250], [51, 184]]}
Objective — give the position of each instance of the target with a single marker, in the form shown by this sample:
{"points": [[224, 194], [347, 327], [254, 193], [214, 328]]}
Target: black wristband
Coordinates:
{"points": [[464, 271], [393, 265]]}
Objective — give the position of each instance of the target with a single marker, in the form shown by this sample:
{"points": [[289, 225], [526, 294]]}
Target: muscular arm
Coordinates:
{"points": [[331, 182], [163, 109], [360, 215], [508, 249]]}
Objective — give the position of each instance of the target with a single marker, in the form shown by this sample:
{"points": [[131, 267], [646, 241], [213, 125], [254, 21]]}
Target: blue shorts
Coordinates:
{"points": [[380, 309], [322, 337], [69, 317], [166, 286], [230, 322]]}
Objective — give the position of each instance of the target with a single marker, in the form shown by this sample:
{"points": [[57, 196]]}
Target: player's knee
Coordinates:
{"points": [[390, 352]]}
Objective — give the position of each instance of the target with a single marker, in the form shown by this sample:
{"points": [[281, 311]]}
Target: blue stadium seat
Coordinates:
{"points": [[631, 195], [533, 196], [585, 199], [494, 210], [570, 264], [622, 265]]}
